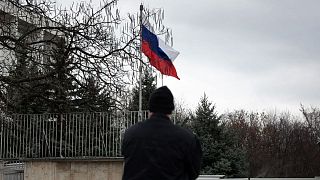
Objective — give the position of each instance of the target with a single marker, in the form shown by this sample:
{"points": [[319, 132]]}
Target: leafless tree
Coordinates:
{"points": [[70, 46], [277, 144], [312, 117]]}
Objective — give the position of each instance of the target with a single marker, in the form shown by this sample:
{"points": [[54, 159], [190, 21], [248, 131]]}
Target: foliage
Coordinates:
{"points": [[276, 145], [148, 86], [219, 153], [51, 56]]}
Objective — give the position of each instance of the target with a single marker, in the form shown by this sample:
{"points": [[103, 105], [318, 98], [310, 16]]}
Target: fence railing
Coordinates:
{"points": [[73, 135]]}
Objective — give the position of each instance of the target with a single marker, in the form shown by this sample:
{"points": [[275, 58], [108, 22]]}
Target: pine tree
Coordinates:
{"points": [[148, 86], [24, 97], [219, 154], [94, 98]]}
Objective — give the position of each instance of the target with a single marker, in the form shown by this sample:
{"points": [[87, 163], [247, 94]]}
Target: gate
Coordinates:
{"points": [[11, 171]]}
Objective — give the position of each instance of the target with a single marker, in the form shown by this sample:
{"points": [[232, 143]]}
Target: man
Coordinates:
{"points": [[156, 149]]}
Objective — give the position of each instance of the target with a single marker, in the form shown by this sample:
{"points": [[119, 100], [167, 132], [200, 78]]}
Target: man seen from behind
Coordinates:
{"points": [[156, 149]]}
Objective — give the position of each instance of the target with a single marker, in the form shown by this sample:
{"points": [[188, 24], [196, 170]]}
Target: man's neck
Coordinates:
{"points": [[152, 113]]}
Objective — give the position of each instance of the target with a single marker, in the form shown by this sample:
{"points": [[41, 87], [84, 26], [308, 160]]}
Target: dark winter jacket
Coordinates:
{"points": [[156, 149]]}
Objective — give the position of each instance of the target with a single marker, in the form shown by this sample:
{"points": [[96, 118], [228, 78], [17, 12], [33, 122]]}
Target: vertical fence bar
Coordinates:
{"points": [[109, 135], [106, 133], [94, 134], [46, 135], [55, 145], [27, 134], [67, 134], [32, 134], [99, 134], [43, 136], [9, 139], [94, 130], [123, 116], [73, 136], [51, 133], [86, 145], [13, 138], [20, 132], [88, 133], [5, 140], [1, 139], [23, 130], [113, 135], [34, 137], [38, 131], [40, 136], [65, 131], [54, 138], [83, 135], [116, 125], [77, 133], [61, 124], [37, 143]]}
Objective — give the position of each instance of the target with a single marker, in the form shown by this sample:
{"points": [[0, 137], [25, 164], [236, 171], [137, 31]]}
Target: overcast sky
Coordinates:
{"points": [[244, 54]]}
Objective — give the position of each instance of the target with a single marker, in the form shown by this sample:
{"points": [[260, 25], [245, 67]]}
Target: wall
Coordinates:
{"points": [[110, 169]]}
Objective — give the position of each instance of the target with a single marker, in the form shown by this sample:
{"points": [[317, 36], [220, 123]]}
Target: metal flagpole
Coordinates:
{"points": [[161, 79], [140, 68]]}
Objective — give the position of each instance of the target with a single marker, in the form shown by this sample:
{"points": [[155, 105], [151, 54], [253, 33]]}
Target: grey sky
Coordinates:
{"points": [[251, 54]]}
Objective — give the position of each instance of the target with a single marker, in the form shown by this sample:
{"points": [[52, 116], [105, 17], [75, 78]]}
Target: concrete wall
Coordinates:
{"points": [[74, 170]]}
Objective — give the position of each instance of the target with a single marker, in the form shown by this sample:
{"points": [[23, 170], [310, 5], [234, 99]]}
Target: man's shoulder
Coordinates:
{"points": [[134, 127]]}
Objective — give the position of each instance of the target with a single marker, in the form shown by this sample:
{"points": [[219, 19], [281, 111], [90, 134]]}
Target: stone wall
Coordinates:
{"points": [[110, 169]]}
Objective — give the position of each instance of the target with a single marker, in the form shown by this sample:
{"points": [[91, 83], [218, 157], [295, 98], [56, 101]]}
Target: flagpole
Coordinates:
{"points": [[140, 68], [161, 79]]}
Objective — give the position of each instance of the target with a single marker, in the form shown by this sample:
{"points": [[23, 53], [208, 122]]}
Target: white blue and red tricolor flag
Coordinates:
{"points": [[159, 53]]}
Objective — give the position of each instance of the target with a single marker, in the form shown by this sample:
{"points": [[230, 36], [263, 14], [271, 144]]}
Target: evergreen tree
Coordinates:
{"points": [[94, 98], [24, 97], [148, 86], [219, 154]]}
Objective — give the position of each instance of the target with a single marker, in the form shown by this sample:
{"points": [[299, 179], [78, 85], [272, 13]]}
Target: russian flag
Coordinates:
{"points": [[160, 55]]}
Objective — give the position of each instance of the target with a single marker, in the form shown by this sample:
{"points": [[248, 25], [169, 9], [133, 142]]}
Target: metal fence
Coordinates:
{"points": [[11, 170], [74, 135]]}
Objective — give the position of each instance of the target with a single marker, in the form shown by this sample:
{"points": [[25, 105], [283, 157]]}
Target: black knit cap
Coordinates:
{"points": [[161, 101]]}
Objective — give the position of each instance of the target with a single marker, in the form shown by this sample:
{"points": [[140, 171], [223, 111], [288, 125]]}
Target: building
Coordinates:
{"points": [[20, 35]]}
